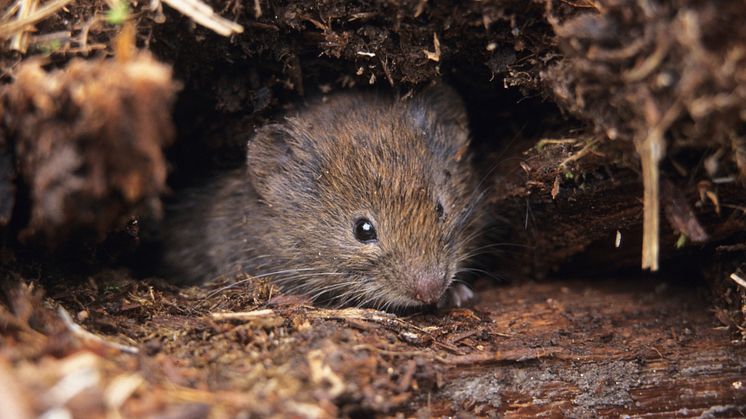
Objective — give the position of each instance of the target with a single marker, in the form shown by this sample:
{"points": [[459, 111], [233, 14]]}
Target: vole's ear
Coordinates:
{"points": [[439, 112], [267, 156]]}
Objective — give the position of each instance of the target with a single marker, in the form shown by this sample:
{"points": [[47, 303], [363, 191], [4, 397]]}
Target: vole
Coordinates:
{"points": [[355, 200]]}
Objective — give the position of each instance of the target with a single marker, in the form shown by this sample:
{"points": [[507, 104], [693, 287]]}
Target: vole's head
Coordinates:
{"points": [[369, 199]]}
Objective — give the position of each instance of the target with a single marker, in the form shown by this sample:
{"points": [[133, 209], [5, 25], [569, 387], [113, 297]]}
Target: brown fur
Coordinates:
{"points": [[292, 210]]}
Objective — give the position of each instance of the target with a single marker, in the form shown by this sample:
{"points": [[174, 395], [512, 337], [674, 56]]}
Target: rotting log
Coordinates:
{"points": [[611, 348]]}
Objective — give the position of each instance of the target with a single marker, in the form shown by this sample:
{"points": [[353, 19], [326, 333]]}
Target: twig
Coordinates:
{"points": [[314, 313], [61, 36], [738, 280], [83, 36], [462, 336], [205, 16], [652, 62], [12, 10], [353, 313], [580, 154], [244, 315], [11, 28], [435, 55], [20, 40], [78, 331], [546, 141], [651, 150]]}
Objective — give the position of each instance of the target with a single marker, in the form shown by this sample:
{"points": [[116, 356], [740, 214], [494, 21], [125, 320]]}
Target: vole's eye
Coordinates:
{"points": [[364, 231], [439, 210]]}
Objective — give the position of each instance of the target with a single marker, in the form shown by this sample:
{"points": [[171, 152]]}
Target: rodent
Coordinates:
{"points": [[355, 200]]}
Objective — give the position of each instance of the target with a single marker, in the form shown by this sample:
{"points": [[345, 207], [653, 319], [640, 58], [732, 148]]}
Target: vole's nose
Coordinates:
{"points": [[428, 288]]}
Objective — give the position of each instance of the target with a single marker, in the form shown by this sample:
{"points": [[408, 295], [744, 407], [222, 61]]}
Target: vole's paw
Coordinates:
{"points": [[457, 295]]}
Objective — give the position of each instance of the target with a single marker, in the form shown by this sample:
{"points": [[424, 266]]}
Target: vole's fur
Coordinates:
{"points": [[291, 212]]}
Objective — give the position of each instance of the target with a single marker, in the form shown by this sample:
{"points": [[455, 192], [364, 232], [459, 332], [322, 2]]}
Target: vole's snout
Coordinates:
{"points": [[428, 288]]}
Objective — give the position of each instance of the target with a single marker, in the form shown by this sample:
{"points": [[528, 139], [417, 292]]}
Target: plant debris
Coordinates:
{"points": [[89, 141]]}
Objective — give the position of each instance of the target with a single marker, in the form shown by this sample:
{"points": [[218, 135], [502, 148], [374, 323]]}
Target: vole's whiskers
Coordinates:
{"points": [[476, 270], [329, 288], [482, 250], [292, 285], [253, 277], [352, 295], [374, 297], [474, 235]]}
